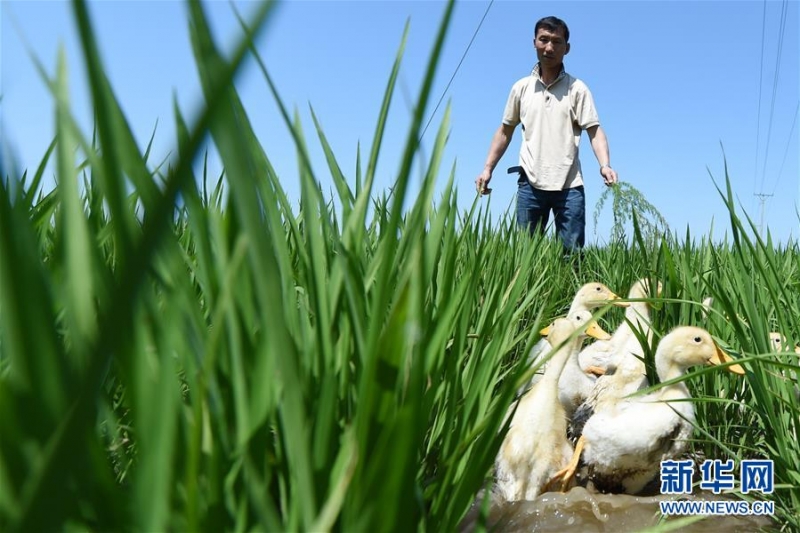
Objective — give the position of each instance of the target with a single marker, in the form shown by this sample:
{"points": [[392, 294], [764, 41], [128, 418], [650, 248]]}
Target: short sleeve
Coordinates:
{"points": [[583, 111], [511, 114]]}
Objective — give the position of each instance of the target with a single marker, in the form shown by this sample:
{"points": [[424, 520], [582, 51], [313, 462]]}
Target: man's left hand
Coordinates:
{"points": [[609, 176]]}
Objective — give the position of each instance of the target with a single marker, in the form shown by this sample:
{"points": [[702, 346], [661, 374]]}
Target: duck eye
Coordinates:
{"points": [[777, 341], [597, 289], [697, 339]]}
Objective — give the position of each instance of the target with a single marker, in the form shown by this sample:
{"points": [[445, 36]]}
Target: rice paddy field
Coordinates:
{"points": [[186, 352]]}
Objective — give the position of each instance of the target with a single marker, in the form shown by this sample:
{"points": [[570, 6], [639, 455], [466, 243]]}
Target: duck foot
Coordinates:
{"points": [[566, 474], [596, 370]]}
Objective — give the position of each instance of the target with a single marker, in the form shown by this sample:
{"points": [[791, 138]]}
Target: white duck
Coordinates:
{"points": [[599, 355], [536, 448], [589, 296], [624, 442], [778, 344], [620, 359], [622, 352]]}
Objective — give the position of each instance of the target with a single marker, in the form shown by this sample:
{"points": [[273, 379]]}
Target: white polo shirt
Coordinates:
{"points": [[552, 117]]}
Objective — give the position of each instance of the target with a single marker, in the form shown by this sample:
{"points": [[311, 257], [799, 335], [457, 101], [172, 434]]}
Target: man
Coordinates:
{"points": [[553, 108]]}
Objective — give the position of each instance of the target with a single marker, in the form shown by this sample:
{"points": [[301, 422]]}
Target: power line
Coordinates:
{"points": [[781, 32], [760, 85], [788, 144], [456, 70]]}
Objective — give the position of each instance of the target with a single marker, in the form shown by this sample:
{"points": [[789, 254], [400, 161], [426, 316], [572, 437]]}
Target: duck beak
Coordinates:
{"points": [[544, 332], [721, 357], [594, 330], [615, 300]]}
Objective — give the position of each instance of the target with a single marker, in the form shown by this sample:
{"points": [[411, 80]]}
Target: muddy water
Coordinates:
{"points": [[582, 511]]}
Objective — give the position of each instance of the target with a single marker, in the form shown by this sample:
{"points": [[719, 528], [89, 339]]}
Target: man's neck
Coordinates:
{"points": [[549, 75]]}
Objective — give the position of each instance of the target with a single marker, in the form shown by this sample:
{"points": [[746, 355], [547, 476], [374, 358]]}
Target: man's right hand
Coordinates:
{"points": [[482, 182]]}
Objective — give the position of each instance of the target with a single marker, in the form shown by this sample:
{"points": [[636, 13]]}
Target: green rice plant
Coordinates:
{"points": [[758, 292], [66, 316]]}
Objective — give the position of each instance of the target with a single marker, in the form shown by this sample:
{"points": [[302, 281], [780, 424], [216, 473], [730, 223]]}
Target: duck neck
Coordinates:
{"points": [[638, 313], [667, 372], [556, 366]]}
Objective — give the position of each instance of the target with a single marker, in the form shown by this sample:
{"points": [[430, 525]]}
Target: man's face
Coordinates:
{"points": [[551, 47]]}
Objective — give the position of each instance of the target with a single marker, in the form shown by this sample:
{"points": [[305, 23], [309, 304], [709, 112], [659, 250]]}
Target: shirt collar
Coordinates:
{"points": [[536, 73]]}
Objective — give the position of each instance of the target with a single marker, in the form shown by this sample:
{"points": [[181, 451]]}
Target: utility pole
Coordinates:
{"points": [[762, 199]]}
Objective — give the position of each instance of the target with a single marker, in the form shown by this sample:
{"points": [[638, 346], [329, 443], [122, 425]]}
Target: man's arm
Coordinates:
{"points": [[600, 147], [500, 142]]}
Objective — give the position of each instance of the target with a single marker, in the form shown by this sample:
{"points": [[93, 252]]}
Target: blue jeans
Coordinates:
{"points": [[569, 211]]}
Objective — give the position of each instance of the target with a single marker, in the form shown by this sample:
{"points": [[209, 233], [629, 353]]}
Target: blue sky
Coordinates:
{"points": [[674, 82]]}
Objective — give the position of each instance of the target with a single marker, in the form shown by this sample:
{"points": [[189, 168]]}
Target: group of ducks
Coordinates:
{"points": [[584, 396]]}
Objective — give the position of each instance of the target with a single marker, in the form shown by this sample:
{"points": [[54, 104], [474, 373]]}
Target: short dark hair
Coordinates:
{"points": [[552, 24]]}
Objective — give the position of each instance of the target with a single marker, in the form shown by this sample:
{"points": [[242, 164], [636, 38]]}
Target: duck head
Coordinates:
{"points": [[778, 342], [687, 346], [561, 329], [596, 294]]}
